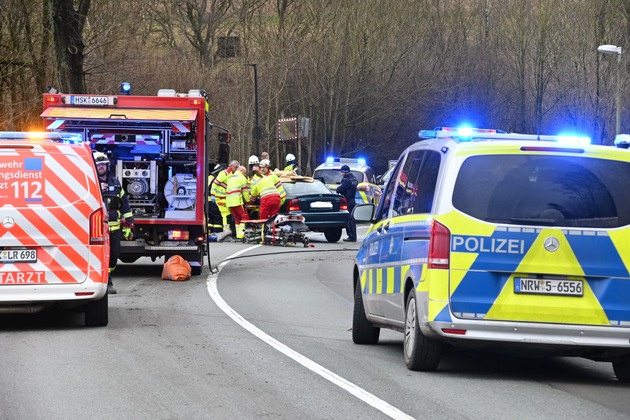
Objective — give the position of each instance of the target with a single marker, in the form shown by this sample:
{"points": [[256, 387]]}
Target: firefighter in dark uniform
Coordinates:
{"points": [[120, 215], [348, 189]]}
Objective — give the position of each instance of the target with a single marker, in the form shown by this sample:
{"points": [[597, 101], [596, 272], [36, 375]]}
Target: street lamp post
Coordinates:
{"points": [[613, 49], [256, 121]]}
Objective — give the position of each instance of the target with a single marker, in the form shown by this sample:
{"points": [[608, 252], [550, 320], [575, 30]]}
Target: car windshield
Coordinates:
{"points": [[333, 176], [544, 190], [302, 188]]}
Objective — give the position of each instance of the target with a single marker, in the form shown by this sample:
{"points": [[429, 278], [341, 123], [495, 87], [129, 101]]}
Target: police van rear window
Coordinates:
{"points": [[543, 190]]}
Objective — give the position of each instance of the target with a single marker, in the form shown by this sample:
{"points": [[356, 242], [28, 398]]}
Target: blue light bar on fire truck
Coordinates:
{"points": [[465, 134]]}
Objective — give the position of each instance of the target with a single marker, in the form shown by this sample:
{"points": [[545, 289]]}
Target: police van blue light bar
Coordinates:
{"points": [[330, 159], [622, 141], [361, 161], [574, 140]]}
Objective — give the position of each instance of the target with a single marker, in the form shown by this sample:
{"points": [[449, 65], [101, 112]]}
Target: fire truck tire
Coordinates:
{"points": [[195, 270], [333, 234], [97, 312]]}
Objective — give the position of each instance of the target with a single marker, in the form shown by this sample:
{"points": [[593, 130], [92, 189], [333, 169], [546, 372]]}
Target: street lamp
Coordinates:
{"points": [[256, 121], [613, 49]]}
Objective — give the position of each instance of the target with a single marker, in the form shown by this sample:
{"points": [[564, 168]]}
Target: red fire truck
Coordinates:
{"points": [[158, 149]]}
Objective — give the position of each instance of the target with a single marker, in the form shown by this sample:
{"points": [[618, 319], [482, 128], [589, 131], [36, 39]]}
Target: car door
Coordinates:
{"points": [[405, 242]]}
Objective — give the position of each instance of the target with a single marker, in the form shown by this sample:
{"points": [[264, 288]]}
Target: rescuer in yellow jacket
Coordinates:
{"points": [[237, 194], [291, 165], [214, 217], [218, 191], [266, 188]]}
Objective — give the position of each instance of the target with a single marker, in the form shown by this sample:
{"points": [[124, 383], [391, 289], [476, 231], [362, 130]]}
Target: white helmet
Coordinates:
{"points": [[253, 160], [100, 157], [265, 162], [290, 158]]}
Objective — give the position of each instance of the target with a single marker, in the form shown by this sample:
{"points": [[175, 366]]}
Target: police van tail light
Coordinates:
{"points": [[439, 246], [97, 227], [344, 204]]}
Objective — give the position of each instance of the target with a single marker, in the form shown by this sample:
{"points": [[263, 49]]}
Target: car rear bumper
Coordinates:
{"points": [[24, 295]]}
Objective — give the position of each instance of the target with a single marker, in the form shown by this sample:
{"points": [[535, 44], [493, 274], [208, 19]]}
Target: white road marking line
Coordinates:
{"points": [[344, 384]]}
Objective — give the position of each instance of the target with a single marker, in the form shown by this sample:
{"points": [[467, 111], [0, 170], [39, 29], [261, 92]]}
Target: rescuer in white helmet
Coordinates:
{"points": [[291, 165]]}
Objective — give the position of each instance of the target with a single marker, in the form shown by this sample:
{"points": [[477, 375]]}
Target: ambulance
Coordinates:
{"points": [[512, 241], [158, 149], [54, 239]]}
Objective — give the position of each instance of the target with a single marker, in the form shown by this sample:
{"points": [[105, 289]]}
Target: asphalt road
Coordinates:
{"points": [[268, 337]]}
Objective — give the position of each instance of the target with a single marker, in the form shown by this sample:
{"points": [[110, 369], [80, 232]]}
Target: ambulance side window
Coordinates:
{"points": [[406, 187]]}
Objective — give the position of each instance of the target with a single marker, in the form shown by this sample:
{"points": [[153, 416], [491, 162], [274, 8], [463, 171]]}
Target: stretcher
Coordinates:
{"points": [[281, 229]]}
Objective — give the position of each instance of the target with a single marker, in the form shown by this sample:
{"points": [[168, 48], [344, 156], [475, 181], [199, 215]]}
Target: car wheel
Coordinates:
{"points": [[621, 368], [363, 332], [421, 353], [333, 234], [97, 312]]}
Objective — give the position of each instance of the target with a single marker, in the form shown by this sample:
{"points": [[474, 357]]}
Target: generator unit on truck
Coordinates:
{"points": [[158, 150]]}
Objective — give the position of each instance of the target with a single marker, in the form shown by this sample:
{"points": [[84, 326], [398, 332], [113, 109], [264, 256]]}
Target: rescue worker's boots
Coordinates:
{"points": [[240, 231]]}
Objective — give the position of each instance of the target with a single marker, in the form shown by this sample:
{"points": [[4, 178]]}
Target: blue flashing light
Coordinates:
{"points": [[465, 132], [424, 134], [573, 139], [125, 88], [361, 161], [330, 159]]}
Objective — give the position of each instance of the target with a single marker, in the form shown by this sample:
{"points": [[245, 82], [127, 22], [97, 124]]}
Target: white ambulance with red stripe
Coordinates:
{"points": [[157, 146], [54, 241]]}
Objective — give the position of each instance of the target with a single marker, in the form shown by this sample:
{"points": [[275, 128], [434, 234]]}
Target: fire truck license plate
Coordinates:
{"points": [[549, 287], [91, 100], [18, 255]]}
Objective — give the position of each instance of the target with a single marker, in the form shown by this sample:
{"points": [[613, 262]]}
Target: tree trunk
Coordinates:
{"points": [[68, 26]]}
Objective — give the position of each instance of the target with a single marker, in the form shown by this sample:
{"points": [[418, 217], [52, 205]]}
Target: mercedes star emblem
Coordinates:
{"points": [[8, 222], [552, 244]]}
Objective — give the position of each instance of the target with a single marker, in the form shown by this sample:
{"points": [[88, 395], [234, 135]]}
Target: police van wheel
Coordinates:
{"points": [[363, 332], [97, 312], [621, 368], [333, 234], [421, 353]]}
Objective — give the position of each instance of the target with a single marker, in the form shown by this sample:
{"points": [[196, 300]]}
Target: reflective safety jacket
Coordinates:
{"points": [[237, 191], [293, 167], [115, 189], [279, 187], [266, 186], [219, 184]]}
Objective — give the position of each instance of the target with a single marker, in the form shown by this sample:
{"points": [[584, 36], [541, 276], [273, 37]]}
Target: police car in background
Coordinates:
{"points": [[515, 241], [329, 173]]}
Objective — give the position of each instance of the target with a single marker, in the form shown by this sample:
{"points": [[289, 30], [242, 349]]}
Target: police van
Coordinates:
{"points": [[54, 242], [515, 241], [329, 173]]}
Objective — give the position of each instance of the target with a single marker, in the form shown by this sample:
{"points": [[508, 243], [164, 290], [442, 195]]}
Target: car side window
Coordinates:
{"points": [[386, 200], [426, 183], [406, 188]]}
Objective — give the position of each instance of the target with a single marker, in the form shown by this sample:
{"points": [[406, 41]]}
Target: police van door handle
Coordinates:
{"points": [[386, 227]]}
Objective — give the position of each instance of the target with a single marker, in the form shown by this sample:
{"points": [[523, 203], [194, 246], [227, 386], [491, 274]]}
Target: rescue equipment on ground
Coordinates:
{"points": [[281, 229], [176, 268]]}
